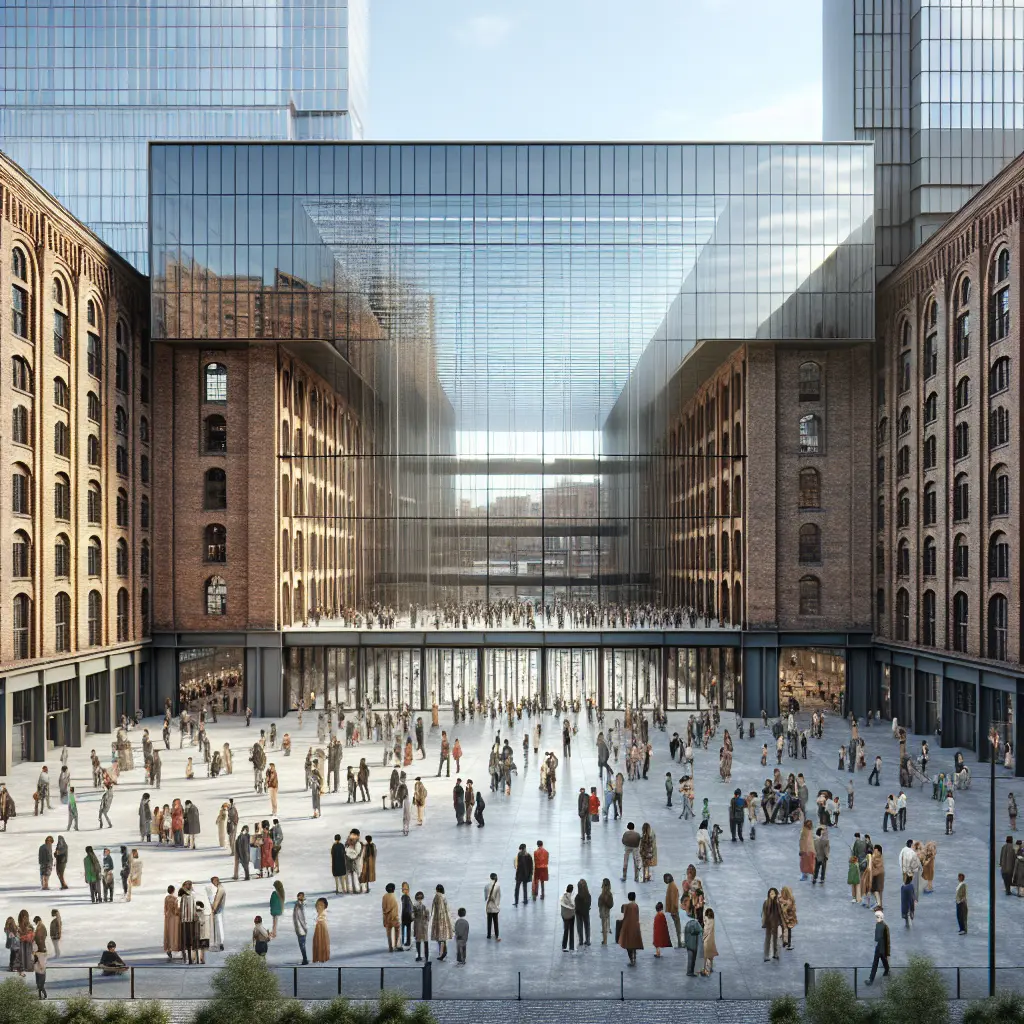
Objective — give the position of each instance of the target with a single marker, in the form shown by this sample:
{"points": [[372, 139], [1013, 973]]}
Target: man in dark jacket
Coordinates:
{"points": [[631, 851], [881, 947], [1007, 860], [242, 852], [524, 873], [459, 800], [46, 863], [338, 862], [191, 823], [232, 822], [737, 810], [583, 810]]}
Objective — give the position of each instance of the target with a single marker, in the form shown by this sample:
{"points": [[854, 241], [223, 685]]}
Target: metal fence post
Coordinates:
{"points": [[720, 996], [958, 983], [131, 975], [295, 982], [382, 979], [428, 981], [90, 981], [339, 981], [807, 978], [855, 983], [622, 986], [519, 985]]}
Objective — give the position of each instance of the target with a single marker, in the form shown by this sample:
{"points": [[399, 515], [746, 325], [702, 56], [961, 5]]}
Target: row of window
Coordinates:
{"points": [[21, 434], [731, 551], [22, 562], [998, 557], [998, 621], [21, 499], [23, 632], [998, 499]]}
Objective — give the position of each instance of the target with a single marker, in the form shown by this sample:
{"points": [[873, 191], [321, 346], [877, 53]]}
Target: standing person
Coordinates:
{"points": [[299, 923], [46, 862], [243, 852], [421, 927], [391, 918], [961, 903], [191, 823], [276, 905], [881, 947], [93, 874], [672, 906], [459, 801], [950, 811], [72, 810], [928, 867], [321, 934], [907, 900], [232, 825], [441, 929], [338, 867], [771, 922], [692, 936], [873, 778], [787, 904], [661, 937], [737, 810], [877, 875], [172, 924], [56, 931], [631, 852], [406, 916], [605, 902], [710, 946], [567, 911], [853, 878], [189, 923], [1011, 809], [583, 811], [582, 903], [822, 850], [272, 784], [630, 938], [524, 874], [540, 869], [134, 874], [419, 799], [145, 820], [217, 901], [492, 904], [260, 935], [1007, 862], [806, 849], [368, 872], [60, 860], [39, 971], [478, 814], [461, 931]]}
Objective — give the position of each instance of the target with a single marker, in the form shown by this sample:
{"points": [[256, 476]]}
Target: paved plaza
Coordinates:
{"points": [[529, 960]]}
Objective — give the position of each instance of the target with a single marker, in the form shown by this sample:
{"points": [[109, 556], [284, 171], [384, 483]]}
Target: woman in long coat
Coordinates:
{"points": [[272, 785], [877, 876], [806, 850], [267, 852], [172, 924], [222, 825], [648, 850], [630, 938], [134, 873], [441, 930], [368, 873], [787, 904], [227, 758], [928, 868], [276, 906], [321, 936]]}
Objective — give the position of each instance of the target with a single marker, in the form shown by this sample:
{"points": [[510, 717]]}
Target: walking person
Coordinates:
{"points": [[583, 811], [605, 902], [46, 863], [630, 938], [961, 903], [787, 904], [56, 931], [106, 801], [72, 809], [217, 899], [276, 906], [540, 869], [631, 852], [672, 906], [873, 778], [882, 949], [421, 927], [492, 905], [1007, 862], [771, 922], [442, 930], [710, 946], [822, 850]]}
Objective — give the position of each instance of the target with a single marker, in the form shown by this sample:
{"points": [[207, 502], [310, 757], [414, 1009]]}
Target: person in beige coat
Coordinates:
{"points": [[710, 946], [392, 917], [222, 826]]}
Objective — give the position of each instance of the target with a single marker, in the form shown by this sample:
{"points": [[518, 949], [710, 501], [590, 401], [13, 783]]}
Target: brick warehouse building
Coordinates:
{"points": [[75, 496]]}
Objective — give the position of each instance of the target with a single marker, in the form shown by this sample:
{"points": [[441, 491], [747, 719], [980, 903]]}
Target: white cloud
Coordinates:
{"points": [[484, 31]]}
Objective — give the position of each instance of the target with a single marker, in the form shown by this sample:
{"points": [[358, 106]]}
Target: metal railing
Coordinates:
{"points": [[960, 982]]}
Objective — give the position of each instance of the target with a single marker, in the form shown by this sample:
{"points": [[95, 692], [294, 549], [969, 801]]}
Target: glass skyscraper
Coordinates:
{"points": [[85, 86], [937, 85]]}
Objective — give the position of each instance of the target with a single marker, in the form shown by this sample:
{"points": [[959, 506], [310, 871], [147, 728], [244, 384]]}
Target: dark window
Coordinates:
{"points": [[216, 382], [962, 337], [880, 601], [216, 496], [22, 626], [61, 394], [880, 513], [144, 468], [144, 430], [90, 313], [216, 596], [92, 402], [95, 612], [810, 543], [999, 375], [144, 388], [928, 619], [21, 375], [961, 558], [121, 420], [998, 427], [61, 439], [21, 563], [930, 505], [962, 395], [810, 435], [998, 621], [929, 453], [216, 435], [931, 408], [144, 558], [903, 558], [21, 492], [57, 292], [998, 492], [62, 557], [810, 488], [903, 460], [94, 557], [62, 621], [95, 356], [880, 559], [961, 440], [810, 382], [19, 311], [999, 557], [929, 561], [216, 543], [123, 616], [122, 460], [122, 558], [931, 355], [903, 424], [903, 509], [92, 450], [19, 264], [122, 375], [94, 504], [902, 615], [883, 431], [61, 336], [960, 622], [144, 513], [20, 428], [122, 508], [904, 372], [810, 595], [144, 610], [961, 498], [880, 470]]}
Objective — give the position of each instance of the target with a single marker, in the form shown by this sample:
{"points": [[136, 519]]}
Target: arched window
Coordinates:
{"points": [[22, 621], [286, 437], [216, 543], [299, 403], [95, 617], [62, 621], [61, 439], [94, 557], [92, 450], [961, 498], [286, 551], [216, 435], [123, 616], [961, 557], [999, 300], [93, 504], [903, 460], [215, 382], [960, 607], [903, 509], [928, 618], [880, 602], [144, 512], [121, 420], [21, 429], [999, 375], [61, 394], [810, 435], [903, 424], [902, 614], [21, 566], [143, 430], [216, 490], [144, 468], [286, 605], [737, 604], [298, 560], [931, 408], [286, 496], [883, 431], [880, 513], [723, 604], [144, 558], [726, 551], [144, 610], [998, 557], [962, 327], [62, 556], [930, 356], [122, 558], [998, 621], [929, 452], [903, 558], [929, 505], [90, 313], [121, 460], [810, 543], [810, 382], [998, 427], [21, 374], [710, 545], [962, 395], [121, 508], [961, 440], [19, 264], [998, 491], [810, 595], [21, 490], [57, 291], [929, 562], [737, 496], [299, 604], [122, 372], [92, 403], [737, 552], [216, 596]]}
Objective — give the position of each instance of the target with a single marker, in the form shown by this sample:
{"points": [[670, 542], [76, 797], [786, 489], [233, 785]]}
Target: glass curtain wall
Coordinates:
{"points": [[519, 315]]}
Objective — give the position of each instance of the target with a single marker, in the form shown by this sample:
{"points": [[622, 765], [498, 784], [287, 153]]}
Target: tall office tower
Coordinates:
{"points": [[86, 84], [938, 86]]}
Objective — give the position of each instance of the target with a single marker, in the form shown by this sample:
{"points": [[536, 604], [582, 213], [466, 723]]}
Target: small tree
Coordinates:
{"points": [[919, 986], [785, 1010], [19, 1004], [831, 1001], [245, 989]]}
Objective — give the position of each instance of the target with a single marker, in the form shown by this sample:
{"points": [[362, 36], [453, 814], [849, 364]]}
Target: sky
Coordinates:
{"points": [[605, 70]]}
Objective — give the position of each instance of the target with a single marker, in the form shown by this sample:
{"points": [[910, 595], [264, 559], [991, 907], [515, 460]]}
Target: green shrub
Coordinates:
{"points": [[81, 1010], [831, 1001], [245, 989], [785, 1010], [918, 985], [19, 1004], [1005, 1008]]}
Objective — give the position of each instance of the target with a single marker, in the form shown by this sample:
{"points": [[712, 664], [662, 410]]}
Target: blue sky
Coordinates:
{"points": [[595, 69]]}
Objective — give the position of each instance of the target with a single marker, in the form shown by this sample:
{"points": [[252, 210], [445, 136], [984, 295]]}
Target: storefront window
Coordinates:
{"points": [[965, 714], [812, 679], [212, 674], [21, 732], [58, 713], [95, 691]]}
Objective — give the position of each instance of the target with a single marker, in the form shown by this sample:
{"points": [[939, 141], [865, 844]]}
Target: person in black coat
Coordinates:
{"points": [[338, 868], [242, 852], [524, 873]]}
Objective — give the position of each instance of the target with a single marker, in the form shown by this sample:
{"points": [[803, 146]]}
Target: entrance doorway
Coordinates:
{"points": [[512, 672], [393, 677], [632, 676], [451, 675], [812, 679], [572, 674]]}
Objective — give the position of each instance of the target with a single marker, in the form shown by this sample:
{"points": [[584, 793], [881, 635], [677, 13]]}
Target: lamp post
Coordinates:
{"points": [[993, 743]]}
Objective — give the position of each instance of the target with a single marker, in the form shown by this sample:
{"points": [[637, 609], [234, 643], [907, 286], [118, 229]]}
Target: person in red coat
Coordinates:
{"points": [[661, 936], [540, 869]]}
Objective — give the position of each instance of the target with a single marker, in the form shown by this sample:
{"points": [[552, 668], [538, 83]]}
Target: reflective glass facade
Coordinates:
{"points": [[85, 85], [937, 85], [517, 317]]}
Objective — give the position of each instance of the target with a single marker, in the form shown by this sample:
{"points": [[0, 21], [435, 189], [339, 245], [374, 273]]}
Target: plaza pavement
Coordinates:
{"points": [[529, 961]]}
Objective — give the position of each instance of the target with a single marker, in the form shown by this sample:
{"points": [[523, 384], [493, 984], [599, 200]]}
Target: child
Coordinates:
{"points": [[752, 813], [39, 968], [716, 853], [203, 922], [842, 758], [56, 931], [661, 936], [849, 795], [705, 811], [668, 789], [703, 841], [350, 779], [710, 948], [764, 754], [853, 879], [907, 899], [461, 936]]}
